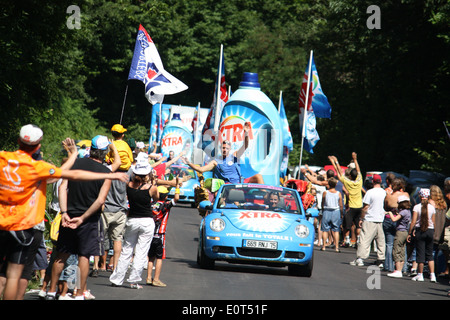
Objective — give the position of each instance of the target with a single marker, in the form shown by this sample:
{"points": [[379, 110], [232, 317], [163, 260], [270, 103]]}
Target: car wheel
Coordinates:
{"points": [[202, 259], [302, 270]]}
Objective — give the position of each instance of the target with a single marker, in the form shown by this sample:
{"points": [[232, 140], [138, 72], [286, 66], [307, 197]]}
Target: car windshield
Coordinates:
{"points": [[259, 197], [181, 171]]}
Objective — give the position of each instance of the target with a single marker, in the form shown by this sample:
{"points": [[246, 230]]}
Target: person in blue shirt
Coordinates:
{"points": [[226, 167]]}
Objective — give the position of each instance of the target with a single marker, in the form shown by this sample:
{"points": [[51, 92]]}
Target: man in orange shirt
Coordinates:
{"points": [[23, 198]]}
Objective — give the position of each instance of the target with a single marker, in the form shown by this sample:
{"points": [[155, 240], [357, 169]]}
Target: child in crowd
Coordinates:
{"points": [[161, 210], [125, 153], [403, 218]]}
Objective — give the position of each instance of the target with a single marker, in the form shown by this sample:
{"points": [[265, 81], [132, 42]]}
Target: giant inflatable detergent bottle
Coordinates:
{"points": [[176, 137], [264, 153]]}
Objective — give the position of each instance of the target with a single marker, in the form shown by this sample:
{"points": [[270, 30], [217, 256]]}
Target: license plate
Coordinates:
{"points": [[272, 245]]}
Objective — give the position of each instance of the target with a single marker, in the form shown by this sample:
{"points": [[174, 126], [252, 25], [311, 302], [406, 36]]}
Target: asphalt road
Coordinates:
{"points": [[333, 278]]}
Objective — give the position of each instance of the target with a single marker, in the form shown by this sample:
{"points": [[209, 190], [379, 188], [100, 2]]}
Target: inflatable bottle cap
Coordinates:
{"points": [[250, 79]]}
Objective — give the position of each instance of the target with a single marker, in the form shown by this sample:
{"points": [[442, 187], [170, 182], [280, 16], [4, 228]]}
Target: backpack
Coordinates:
{"points": [[54, 227]]}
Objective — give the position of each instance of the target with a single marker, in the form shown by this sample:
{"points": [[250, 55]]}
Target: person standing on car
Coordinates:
{"points": [[227, 166]]}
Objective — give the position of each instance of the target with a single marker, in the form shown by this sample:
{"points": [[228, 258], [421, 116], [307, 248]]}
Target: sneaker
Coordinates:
{"points": [[42, 294], [158, 283], [379, 264], [395, 274], [413, 273], [88, 295], [50, 296], [357, 262], [135, 286], [65, 297], [418, 277], [433, 278]]}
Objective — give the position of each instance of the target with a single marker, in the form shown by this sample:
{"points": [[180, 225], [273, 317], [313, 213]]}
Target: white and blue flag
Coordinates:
{"points": [[147, 67]]}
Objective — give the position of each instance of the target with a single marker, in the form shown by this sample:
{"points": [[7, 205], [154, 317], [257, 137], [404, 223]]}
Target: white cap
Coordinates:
{"points": [[31, 134], [142, 157], [142, 168], [100, 142], [140, 145], [402, 198]]}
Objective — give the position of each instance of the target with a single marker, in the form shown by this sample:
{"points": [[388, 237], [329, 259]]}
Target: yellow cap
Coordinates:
{"points": [[162, 189], [118, 128]]}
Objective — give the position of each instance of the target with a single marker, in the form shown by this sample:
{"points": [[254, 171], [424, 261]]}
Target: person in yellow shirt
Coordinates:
{"points": [[125, 153], [354, 186], [23, 182]]}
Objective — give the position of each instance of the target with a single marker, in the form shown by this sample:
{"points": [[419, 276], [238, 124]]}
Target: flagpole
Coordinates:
{"points": [[279, 102], [123, 105], [197, 123], [305, 110], [216, 116], [159, 131], [219, 85]]}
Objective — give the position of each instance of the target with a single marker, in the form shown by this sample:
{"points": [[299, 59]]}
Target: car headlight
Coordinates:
{"points": [[217, 225], [302, 231]]}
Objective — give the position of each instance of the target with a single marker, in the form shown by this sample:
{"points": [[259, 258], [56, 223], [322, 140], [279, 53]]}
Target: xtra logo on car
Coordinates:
{"points": [[259, 221], [255, 214]]}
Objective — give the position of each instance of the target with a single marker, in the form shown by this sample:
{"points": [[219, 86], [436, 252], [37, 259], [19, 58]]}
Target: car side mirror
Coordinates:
{"points": [[205, 205]]}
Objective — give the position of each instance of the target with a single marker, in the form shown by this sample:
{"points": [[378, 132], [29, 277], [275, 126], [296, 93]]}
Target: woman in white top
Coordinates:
{"points": [[422, 228]]}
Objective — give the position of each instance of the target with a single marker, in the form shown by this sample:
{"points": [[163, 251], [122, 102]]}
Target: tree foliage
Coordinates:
{"points": [[388, 87]]}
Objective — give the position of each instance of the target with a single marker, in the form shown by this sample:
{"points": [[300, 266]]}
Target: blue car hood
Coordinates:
{"points": [[260, 221]]}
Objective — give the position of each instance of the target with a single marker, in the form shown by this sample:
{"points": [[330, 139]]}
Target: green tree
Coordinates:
{"points": [[41, 79], [387, 87]]}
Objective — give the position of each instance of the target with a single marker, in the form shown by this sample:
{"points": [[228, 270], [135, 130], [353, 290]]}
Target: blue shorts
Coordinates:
{"points": [[331, 220]]}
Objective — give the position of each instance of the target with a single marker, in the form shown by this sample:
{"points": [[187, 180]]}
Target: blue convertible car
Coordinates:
{"points": [[187, 188], [257, 224]]}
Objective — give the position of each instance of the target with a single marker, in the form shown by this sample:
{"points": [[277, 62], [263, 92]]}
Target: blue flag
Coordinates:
{"points": [[288, 143], [287, 137], [318, 106]]}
